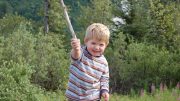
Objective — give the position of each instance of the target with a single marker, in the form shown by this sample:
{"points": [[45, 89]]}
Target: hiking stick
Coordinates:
{"points": [[67, 19]]}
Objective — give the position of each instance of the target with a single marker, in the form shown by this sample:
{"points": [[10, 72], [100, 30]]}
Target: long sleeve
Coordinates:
{"points": [[105, 81]]}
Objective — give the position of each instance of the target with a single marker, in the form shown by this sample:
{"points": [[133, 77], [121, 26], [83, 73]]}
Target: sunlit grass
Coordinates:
{"points": [[166, 95]]}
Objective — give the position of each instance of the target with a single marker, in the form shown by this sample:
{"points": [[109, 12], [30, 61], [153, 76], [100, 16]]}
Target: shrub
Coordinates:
{"points": [[15, 82], [138, 65], [51, 62], [45, 53]]}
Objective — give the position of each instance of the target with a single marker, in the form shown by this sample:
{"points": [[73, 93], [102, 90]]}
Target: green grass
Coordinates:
{"points": [[167, 95]]}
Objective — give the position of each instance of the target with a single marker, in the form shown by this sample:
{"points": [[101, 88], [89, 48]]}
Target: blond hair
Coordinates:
{"points": [[97, 31]]}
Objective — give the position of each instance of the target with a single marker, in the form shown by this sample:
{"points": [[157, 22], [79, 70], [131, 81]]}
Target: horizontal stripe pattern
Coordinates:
{"points": [[86, 72], [88, 75]]}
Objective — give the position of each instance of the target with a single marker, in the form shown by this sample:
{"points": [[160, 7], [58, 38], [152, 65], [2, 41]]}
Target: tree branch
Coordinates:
{"points": [[67, 19]]}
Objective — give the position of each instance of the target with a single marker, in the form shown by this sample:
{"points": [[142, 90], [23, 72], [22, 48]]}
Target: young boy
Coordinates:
{"points": [[89, 71]]}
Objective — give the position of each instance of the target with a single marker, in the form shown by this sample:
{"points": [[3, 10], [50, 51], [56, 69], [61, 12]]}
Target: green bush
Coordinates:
{"points": [[114, 54], [45, 53], [15, 82], [19, 45], [51, 62], [143, 64], [11, 22], [138, 65]]}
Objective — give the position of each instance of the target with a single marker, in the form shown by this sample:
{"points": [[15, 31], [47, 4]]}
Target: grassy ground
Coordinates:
{"points": [[167, 95], [158, 96]]}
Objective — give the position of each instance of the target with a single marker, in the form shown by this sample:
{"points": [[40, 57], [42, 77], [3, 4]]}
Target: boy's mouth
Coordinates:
{"points": [[95, 51]]}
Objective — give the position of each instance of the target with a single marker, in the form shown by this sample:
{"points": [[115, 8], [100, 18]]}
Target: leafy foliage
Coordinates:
{"points": [[56, 18], [51, 62], [42, 59], [18, 46], [5, 8], [26, 8], [96, 11], [10, 22], [15, 82], [138, 64], [163, 28]]}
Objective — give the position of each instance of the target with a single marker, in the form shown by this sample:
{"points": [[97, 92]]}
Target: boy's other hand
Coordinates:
{"points": [[75, 43], [105, 95]]}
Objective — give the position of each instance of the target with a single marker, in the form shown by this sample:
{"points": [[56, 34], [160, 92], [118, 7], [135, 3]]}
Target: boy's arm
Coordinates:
{"points": [[76, 48], [104, 92], [105, 82]]}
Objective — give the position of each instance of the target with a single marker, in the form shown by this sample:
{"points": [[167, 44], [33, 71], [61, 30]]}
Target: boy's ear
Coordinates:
{"points": [[107, 44]]}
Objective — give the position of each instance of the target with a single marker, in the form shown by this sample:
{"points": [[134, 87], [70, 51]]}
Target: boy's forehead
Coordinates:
{"points": [[97, 40]]}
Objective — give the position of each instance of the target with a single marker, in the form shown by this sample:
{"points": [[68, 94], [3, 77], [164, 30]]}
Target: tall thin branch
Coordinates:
{"points": [[67, 19]]}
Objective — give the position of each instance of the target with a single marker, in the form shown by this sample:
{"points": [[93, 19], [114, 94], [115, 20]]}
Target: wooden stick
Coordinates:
{"points": [[68, 20]]}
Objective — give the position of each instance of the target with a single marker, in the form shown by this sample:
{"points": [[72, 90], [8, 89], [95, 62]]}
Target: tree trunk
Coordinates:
{"points": [[46, 8]]}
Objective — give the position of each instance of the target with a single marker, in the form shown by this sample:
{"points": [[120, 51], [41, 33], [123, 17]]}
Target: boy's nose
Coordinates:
{"points": [[96, 47]]}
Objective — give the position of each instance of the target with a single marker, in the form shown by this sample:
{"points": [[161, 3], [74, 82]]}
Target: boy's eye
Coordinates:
{"points": [[101, 45], [93, 43]]}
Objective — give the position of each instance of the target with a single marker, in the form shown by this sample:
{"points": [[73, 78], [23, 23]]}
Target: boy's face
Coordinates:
{"points": [[95, 47]]}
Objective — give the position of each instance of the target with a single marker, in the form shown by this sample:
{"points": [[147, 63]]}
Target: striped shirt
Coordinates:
{"points": [[88, 77]]}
